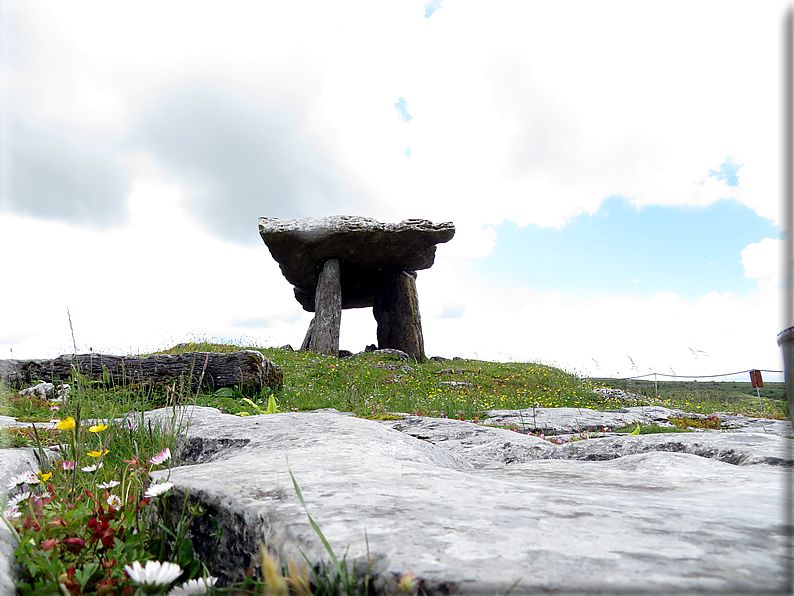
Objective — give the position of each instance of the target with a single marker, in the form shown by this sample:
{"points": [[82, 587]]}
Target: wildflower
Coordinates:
{"points": [[114, 501], [194, 586], [49, 544], [44, 477], [93, 468], [65, 424], [15, 501], [98, 428], [108, 484], [154, 576], [13, 512], [32, 478], [74, 545], [97, 453], [21, 479], [55, 408], [69, 465], [161, 457], [155, 490], [408, 583]]}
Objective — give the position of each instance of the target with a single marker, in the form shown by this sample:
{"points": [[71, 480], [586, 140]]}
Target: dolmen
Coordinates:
{"points": [[346, 261]]}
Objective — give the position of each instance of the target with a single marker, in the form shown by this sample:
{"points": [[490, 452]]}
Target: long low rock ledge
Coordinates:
{"points": [[471, 509], [661, 514]]}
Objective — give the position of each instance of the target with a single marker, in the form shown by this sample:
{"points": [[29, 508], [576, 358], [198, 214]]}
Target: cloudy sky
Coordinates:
{"points": [[612, 168]]}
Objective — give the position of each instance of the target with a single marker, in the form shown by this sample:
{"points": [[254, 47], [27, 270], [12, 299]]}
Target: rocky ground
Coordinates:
{"points": [[474, 508]]}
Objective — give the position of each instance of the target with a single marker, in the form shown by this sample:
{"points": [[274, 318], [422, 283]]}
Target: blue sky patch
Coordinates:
{"points": [[727, 172], [622, 250], [452, 312], [402, 110], [431, 7]]}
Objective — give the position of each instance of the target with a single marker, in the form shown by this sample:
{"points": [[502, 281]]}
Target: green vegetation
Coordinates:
{"points": [[94, 509], [710, 396], [651, 429], [373, 385]]}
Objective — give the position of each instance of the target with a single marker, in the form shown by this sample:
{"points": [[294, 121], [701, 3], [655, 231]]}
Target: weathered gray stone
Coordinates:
{"points": [[391, 352], [471, 509], [570, 420], [396, 309], [367, 250], [12, 462], [308, 338], [47, 391], [395, 367], [328, 311], [214, 370]]}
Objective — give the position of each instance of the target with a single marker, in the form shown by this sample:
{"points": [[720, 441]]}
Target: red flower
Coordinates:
{"points": [[74, 545], [49, 544]]}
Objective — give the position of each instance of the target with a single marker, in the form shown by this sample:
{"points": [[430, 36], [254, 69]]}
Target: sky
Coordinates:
{"points": [[613, 170]]}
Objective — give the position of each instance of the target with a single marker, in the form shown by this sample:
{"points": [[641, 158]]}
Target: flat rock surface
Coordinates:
{"points": [[569, 420], [12, 462], [366, 249], [447, 505]]}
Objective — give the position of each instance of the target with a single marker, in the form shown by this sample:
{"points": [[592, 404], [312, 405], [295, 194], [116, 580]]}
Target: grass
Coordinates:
{"points": [[71, 537], [362, 385]]}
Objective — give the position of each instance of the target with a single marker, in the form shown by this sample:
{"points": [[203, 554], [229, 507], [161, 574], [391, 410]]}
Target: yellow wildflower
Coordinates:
{"points": [[98, 453], [65, 424], [98, 428]]}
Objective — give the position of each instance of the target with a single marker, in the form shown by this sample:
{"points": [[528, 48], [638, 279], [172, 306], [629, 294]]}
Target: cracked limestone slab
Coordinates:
{"points": [[12, 463], [653, 522]]}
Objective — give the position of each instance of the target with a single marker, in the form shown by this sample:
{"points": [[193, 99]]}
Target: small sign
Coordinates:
{"points": [[755, 378]]}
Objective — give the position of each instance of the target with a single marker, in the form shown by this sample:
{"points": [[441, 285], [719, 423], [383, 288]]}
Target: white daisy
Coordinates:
{"points": [[17, 480], [93, 468], [114, 501], [15, 501], [28, 477], [108, 484], [32, 478], [194, 586], [161, 457], [155, 490], [155, 575], [13, 512]]}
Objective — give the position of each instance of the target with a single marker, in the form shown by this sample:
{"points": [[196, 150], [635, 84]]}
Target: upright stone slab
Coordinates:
{"points": [[328, 311], [396, 309], [308, 339]]}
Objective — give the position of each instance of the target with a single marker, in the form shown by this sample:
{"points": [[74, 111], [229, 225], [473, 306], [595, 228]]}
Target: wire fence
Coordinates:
{"points": [[653, 374]]}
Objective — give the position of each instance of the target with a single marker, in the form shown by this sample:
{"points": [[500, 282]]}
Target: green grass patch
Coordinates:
{"points": [[372, 385], [651, 429]]}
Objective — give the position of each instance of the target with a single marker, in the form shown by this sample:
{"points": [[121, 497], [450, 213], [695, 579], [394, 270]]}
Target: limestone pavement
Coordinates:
{"points": [[472, 509]]}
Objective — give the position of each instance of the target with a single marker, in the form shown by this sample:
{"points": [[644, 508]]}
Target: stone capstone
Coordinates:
{"points": [[471, 509], [367, 250]]}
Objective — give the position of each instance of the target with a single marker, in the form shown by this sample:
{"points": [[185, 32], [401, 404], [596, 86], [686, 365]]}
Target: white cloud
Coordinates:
{"points": [[761, 261], [522, 113]]}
